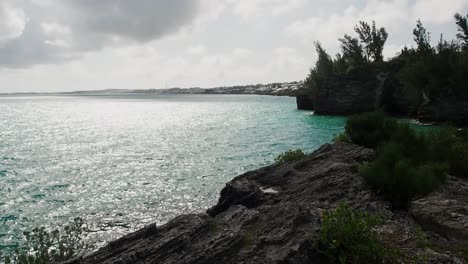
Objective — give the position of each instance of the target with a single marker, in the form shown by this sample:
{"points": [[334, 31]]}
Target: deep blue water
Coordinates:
{"points": [[124, 161]]}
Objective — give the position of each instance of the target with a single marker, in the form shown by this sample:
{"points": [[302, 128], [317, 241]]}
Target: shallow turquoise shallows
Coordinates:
{"points": [[123, 161]]}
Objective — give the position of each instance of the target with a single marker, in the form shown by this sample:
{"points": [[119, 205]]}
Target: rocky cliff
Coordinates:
{"points": [[376, 87], [272, 215]]}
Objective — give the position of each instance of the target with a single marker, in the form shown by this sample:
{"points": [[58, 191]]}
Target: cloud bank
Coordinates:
{"points": [[45, 31], [63, 45]]}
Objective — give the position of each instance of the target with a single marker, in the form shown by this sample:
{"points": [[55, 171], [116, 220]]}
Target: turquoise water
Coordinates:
{"points": [[122, 162]]}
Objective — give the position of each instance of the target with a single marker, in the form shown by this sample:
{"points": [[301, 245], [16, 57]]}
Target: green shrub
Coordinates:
{"points": [[409, 163], [43, 247], [348, 236], [401, 178], [369, 129], [450, 146], [342, 137], [290, 155], [459, 159]]}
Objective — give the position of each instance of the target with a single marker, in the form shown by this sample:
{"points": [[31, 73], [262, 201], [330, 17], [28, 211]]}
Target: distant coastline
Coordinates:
{"points": [[277, 89]]}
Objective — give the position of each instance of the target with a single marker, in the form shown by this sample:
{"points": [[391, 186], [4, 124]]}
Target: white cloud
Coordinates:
{"points": [[12, 21], [397, 16], [83, 45], [437, 11], [248, 8], [197, 49]]}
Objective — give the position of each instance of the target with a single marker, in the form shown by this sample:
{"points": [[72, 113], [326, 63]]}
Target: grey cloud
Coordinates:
{"points": [[140, 20], [92, 25], [29, 49]]}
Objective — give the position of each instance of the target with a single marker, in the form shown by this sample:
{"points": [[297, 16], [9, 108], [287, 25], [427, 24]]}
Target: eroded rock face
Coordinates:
{"points": [[446, 106], [445, 210], [305, 102], [272, 215], [344, 95]]}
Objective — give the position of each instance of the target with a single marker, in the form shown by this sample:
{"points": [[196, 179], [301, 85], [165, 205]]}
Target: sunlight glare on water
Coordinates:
{"points": [[122, 162]]}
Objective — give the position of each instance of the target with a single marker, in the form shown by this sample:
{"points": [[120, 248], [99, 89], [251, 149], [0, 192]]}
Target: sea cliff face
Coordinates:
{"points": [[273, 215], [373, 88]]}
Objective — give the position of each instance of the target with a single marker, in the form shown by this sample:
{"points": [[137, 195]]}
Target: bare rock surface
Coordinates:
{"points": [[272, 215], [445, 210]]}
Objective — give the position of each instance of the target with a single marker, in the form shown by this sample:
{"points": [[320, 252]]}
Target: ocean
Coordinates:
{"points": [[124, 161]]}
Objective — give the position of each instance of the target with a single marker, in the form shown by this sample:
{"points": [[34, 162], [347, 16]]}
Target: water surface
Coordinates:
{"points": [[122, 162]]}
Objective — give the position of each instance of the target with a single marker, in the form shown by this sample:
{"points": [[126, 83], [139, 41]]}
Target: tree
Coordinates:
{"points": [[373, 40], [379, 38], [422, 38], [365, 35], [353, 51], [462, 23], [322, 70], [340, 64]]}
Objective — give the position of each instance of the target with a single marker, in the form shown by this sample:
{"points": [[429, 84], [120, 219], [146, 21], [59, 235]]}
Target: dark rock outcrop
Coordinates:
{"points": [[305, 102], [377, 87], [272, 215], [350, 94], [445, 106]]}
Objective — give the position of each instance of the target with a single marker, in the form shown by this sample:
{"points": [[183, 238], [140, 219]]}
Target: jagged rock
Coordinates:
{"points": [[305, 102], [343, 95], [445, 210], [272, 215], [446, 106], [377, 87]]}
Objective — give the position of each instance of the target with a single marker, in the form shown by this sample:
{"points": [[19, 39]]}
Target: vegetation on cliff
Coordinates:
{"points": [[419, 74], [43, 247], [349, 236], [409, 164], [427, 71], [290, 155]]}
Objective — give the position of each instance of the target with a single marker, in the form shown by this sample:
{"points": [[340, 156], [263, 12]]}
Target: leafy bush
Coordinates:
{"points": [[459, 159], [342, 137], [43, 247], [290, 155], [449, 146], [401, 178], [369, 129], [348, 236], [408, 163]]}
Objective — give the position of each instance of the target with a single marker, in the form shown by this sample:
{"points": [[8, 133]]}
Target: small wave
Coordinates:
{"points": [[6, 218], [57, 187], [4, 173]]}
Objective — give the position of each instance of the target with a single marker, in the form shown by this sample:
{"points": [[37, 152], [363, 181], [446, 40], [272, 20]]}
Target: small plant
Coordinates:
{"points": [[399, 178], [342, 137], [459, 159], [290, 155], [409, 163], [369, 129], [43, 247], [348, 236]]}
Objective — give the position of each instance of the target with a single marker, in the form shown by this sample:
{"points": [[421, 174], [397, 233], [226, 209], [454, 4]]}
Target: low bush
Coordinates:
{"points": [[409, 163], [369, 129], [290, 155], [43, 247], [401, 178], [348, 236], [342, 137], [459, 159]]}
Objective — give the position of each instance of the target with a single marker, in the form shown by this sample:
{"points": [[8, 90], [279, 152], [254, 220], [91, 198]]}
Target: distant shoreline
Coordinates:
{"points": [[278, 89]]}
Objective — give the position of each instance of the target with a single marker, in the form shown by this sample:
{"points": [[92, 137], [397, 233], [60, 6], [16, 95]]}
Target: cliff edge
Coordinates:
{"points": [[273, 215]]}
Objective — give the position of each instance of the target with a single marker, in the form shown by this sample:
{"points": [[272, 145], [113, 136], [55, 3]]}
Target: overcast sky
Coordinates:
{"points": [[65, 45]]}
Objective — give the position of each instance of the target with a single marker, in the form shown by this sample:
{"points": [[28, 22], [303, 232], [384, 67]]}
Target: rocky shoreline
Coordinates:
{"points": [[273, 214]]}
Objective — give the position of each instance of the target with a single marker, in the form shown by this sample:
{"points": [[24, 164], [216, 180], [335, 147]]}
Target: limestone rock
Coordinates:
{"points": [[273, 214]]}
